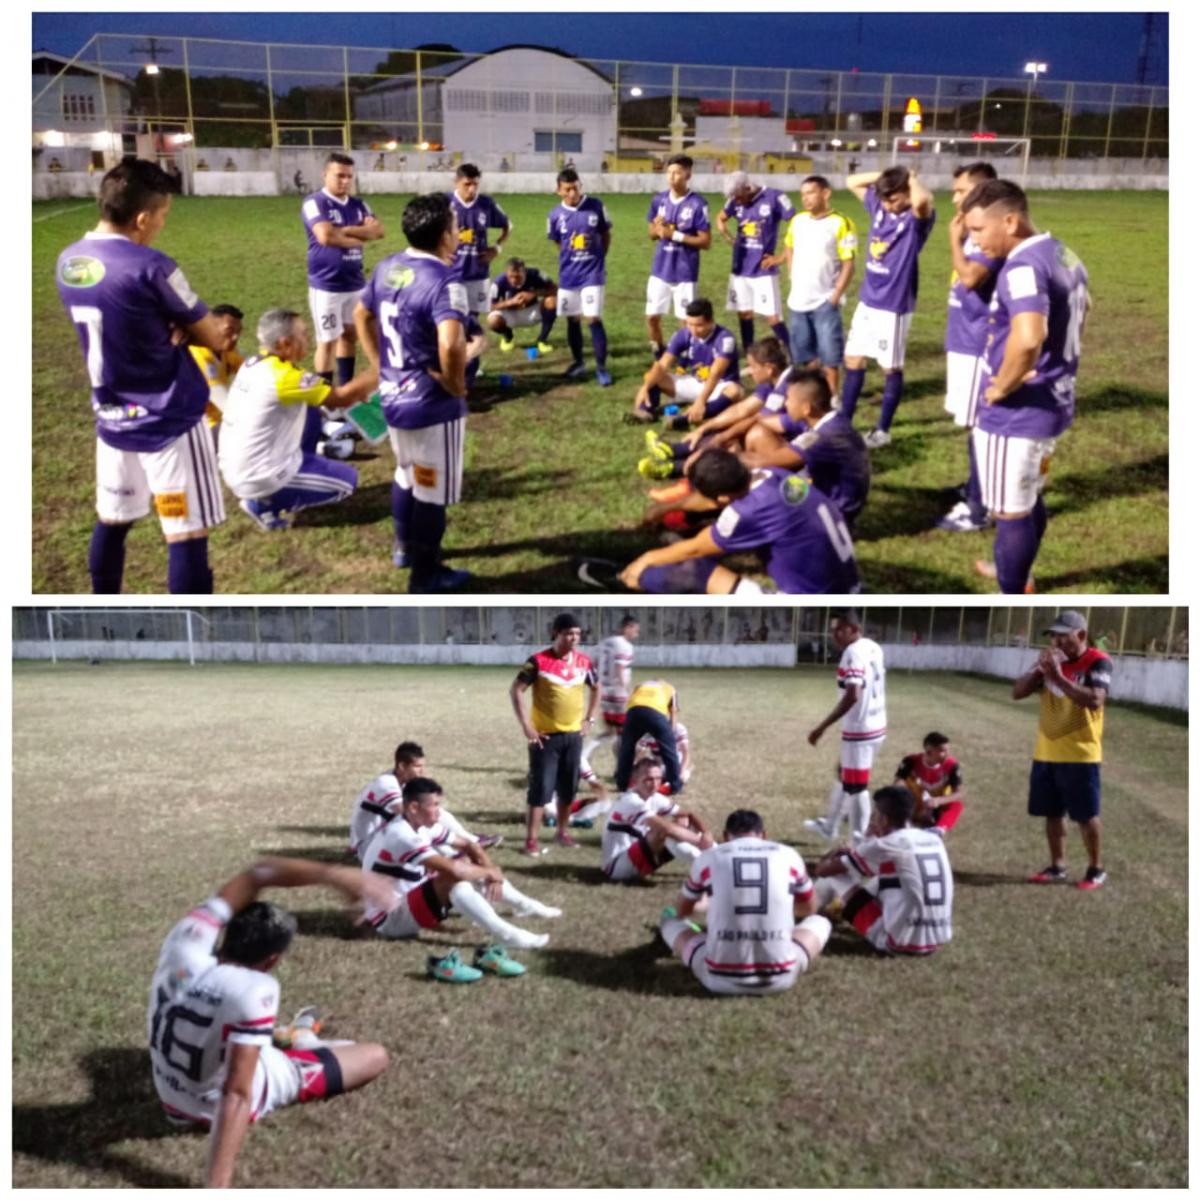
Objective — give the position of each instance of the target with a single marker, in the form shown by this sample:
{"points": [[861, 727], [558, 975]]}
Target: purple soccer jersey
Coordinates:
{"points": [[579, 233], [774, 396], [797, 527], [474, 220], [409, 294], [895, 241], [535, 282], [967, 316], [836, 459], [697, 355], [333, 268], [124, 300], [675, 263], [1043, 276], [758, 224]]}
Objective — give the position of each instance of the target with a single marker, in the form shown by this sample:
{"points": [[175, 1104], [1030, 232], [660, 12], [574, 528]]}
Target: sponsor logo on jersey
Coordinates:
{"points": [[879, 247], [399, 277], [795, 490], [81, 271]]}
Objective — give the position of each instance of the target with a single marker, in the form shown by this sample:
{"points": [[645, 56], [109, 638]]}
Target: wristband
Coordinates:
{"points": [[677, 236]]}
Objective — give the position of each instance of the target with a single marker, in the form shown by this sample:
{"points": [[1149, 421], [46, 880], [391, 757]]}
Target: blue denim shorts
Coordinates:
{"points": [[817, 334]]}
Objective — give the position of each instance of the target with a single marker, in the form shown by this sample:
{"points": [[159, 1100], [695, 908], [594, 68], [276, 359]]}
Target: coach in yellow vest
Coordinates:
{"points": [[653, 709], [1073, 680]]}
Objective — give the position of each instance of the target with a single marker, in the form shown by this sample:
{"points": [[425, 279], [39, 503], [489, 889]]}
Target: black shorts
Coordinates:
{"points": [[554, 767], [1064, 789]]}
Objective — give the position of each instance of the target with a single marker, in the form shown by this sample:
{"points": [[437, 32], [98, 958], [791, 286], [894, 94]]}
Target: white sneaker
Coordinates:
{"points": [[821, 826], [959, 520], [524, 940], [877, 438], [534, 908]]}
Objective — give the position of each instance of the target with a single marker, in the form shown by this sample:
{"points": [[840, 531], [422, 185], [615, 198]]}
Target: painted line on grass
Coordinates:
{"points": [[62, 212]]}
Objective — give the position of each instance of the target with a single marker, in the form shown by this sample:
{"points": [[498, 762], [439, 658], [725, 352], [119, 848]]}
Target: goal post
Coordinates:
{"points": [[1009, 155], [120, 625]]}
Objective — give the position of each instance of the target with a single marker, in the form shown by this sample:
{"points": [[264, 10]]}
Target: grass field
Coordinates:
{"points": [[550, 470], [1046, 1046]]}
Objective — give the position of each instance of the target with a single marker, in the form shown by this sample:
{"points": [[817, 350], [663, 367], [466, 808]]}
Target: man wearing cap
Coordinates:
{"points": [[558, 676], [1073, 679]]}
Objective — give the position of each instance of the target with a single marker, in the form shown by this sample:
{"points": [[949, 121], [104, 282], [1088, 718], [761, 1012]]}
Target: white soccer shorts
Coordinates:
{"points": [[181, 478], [277, 1079], [332, 313], [754, 293], [430, 460], [963, 372], [515, 318], [479, 294], [724, 985], [662, 297], [858, 757], [623, 869], [880, 335], [581, 302], [1012, 471], [688, 388]]}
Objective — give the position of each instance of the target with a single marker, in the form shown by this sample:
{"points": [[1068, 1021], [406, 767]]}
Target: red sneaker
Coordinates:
{"points": [[566, 840], [1095, 877], [533, 848], [1050, 874]]}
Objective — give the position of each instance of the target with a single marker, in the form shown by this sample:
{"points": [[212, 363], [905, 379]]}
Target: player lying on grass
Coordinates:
{"points": [[434, 872], [213, 1008], [378, 802], [793, 524], [260, 455], [935, 780], [754, 891], [706, 354], [584, 815], [895, 886], [646, 830], [522, 296]]}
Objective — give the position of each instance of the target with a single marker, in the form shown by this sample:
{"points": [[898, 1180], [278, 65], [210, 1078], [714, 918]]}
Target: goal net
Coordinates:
{"points": [[1009, 155], [114, 632]]}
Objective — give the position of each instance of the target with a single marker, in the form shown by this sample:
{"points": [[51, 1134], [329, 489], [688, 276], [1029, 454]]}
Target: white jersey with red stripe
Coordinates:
{"points": [[627, 822], [916, 886], [372, 810], [198, 1008], [754, 885], [862, 664], [400, 852], [615, 665]]}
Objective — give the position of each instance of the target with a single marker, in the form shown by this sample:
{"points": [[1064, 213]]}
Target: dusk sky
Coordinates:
{"points": [[1101, 47]]}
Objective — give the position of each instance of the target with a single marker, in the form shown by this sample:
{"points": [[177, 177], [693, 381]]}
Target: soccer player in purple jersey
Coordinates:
{"points": [[476, 214], [679, 230], [130, 304], [411, 322], [1027, 396], [901, 214], [971, 288], [798, 528], [581, 227], [522, 295], [758, 214]]}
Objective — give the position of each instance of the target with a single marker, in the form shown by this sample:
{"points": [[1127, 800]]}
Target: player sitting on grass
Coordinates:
{"points": [[935, 780], [260, 455], [379, 802], [707, 354], [895, 886], [434, 872], [796, 526], [220, 367], [584, 815], [755, 892], [212, 1013], [520, 296], [646, 830]]}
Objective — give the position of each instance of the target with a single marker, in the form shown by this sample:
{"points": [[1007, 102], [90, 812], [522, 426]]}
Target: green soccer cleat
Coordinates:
{"points": [[654, 468], [451, 969], [494, 960], [506, 345], [544, 347], [658, 448]]}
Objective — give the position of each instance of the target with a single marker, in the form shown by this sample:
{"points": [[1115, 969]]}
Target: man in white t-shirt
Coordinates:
{"points": [[212, 1013], [754, 891], [862, 711], [614, 664]]}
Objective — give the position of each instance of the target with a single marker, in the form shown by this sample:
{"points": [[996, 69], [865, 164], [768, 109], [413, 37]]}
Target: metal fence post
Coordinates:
{"points": [[1124, 626], [420, 108], [982, 119], [346, 93], [1170, 633], [271, 100], [1112, 108], [187, 91], [1149, 120], [1065, 135]]}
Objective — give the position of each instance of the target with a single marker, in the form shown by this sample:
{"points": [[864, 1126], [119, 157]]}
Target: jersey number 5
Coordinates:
{"points": [[750, 874], [388, 312]]}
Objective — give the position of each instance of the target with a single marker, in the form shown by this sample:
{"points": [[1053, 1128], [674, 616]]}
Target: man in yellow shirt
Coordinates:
{"points": [[219, 369], [1073, 680], [653, 709]]}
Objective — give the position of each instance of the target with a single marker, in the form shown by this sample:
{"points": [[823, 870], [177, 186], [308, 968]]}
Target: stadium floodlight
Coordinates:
{"points": [[152, 68], [1036, 69], [635, 91]]}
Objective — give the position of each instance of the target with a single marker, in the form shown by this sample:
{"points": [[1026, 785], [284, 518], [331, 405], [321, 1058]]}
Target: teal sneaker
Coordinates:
{"points": [[451, 969], [671, 914], [494, 960]]}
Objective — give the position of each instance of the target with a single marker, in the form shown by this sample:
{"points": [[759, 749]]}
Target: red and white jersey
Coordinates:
{"points": [[862, 664], [939, 780], [916, 887], [647, 744], [371, 811], [627, 822], [198, 1007], [400, 852], [615, 661], [753, 884]]}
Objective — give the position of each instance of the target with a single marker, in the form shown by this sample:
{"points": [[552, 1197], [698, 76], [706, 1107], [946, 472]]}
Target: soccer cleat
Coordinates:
{"points": [[655, 468], [339, 448], [575, 371], [566, 841], [490, 840], [445, 580], [1050, 874], [877, 439], [959, 520], [506, 345], [581, 822], [533, 848], [302, 1032], [657, 447], [987, 570], [640, 416], [400, 557], [544, 347], [1095, 877], [494, 960], [451, 969], [820, 826], [267, 519], [671, 914], [603, 378]]}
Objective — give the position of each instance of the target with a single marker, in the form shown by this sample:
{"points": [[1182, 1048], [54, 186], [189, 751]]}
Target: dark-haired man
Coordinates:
{"points": [[411, 320], [520, 296], [935, 779], [763, 931], [476, 214], [900, 208], [797, 528], [679, 229], [212, 1012], [1027, 393], [130, 304], [220, 366], [580, 225]]}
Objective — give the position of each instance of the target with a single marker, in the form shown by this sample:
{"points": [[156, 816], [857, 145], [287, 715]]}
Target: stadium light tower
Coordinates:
{"points": [[1037, 70]]}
